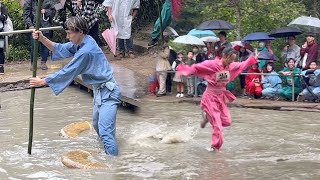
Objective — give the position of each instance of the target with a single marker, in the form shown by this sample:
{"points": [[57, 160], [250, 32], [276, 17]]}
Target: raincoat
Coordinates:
{"points": [[253, 83], [271, 84], [313, 80], [122, 14], [286, 92], [214, 99], [262, 63], [166, 17]]}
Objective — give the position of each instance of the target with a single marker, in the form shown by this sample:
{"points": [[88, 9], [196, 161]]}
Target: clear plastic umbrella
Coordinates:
{"points": [[187, 39], [306, 24], [212, 39]]}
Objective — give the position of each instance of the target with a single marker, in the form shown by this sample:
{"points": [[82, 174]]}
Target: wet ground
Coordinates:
{"points": [[260, 144]]}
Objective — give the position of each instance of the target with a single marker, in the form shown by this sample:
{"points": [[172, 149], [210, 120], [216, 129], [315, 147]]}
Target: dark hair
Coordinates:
{"points": [[223, 33], [292, 37], [195, 47], [76, 24], [180, 52], [291, 59], [228, 51], [266, 69], [189, 52]]}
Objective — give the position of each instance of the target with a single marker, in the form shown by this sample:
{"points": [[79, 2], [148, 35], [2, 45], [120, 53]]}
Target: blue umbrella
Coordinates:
{"points": [[257, 36], [201, 33]]}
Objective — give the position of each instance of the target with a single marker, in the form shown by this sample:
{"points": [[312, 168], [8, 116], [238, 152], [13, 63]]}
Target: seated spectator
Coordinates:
{"points": [[312, 79], [253, 83], [162, 67], [271, 84], [286, 91]]}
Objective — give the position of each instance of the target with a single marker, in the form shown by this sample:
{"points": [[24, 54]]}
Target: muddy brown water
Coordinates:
{"points": [[260, 144]]}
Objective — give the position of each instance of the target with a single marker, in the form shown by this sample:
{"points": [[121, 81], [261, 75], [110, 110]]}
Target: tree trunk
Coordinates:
{"points": [[315, 8], [236, 5]]}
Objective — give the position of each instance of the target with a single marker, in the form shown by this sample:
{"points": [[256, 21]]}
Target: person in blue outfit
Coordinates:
{"points": [[271, 84], [91, 63], [312, 78]]}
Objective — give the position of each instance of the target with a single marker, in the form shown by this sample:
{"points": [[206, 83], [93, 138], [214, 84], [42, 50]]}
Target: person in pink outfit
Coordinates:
{"points": [[218, 74]]}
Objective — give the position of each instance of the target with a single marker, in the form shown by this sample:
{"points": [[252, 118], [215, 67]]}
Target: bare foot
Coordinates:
{"points": [[204, 120]]}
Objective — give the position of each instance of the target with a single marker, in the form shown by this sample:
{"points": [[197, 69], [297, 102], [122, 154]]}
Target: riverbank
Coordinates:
{"points": [[17, 75]]}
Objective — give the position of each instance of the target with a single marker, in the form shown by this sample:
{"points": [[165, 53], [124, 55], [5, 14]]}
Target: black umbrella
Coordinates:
{"points": [[264, 55], [215, 24], [285, 32]]}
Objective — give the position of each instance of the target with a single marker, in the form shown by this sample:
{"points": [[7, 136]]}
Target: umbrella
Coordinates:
{"points": [[212, 39], [306, 23], [110, 36], [257, 36], [285, 32], [201, 33], [187, 39], [215, 24], [267, 56], [238, 44]]}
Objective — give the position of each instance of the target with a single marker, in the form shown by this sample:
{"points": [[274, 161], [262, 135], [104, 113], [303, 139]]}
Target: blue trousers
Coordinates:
{"points": [[104, 119], [270, 92], [315, 90], [125, 45]]}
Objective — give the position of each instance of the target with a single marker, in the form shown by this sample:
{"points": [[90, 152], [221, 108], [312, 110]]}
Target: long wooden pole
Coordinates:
{"points": [[34, 74]]}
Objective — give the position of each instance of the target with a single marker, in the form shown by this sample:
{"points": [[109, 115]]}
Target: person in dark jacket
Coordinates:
{"points": [[3, 19], [309, 51], [29, 15]]}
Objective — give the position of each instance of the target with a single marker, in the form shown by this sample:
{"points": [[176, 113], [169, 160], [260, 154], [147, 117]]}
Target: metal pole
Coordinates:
{"points": [[293, 87], [30, 30], [195, 86]]}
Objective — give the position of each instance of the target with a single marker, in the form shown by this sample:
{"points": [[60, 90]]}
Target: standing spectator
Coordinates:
{"points": [[177, 77], [162, 67], [172, 58], [291, 50], [196, 55], [253, 83], [268, 46], [221, 44], [309, 51], [190, 79], [286, 92], [29, 15], [122, 14], [87, 10], [3, 19], [271, 84], [205, 54], [262, 48], [312, 78]]}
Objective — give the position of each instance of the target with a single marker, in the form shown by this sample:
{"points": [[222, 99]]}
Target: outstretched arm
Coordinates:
{"points": [[237, 67], [44, 40], [201, 69]]}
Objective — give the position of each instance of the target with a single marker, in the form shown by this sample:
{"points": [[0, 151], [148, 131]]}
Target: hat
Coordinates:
{"points": [[311, 34]]}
